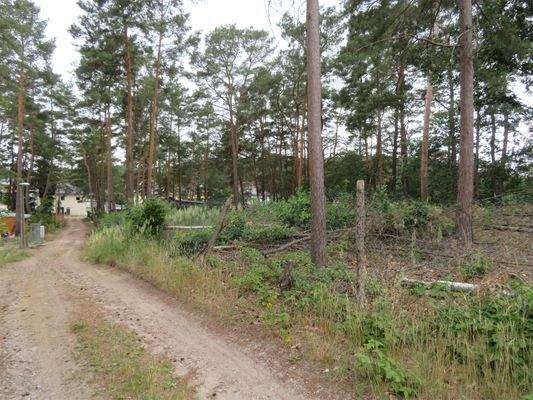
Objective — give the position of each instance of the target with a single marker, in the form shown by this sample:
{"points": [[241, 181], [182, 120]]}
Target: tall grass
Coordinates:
{"points": [[193, 216], [433, 345], [11, 253]]}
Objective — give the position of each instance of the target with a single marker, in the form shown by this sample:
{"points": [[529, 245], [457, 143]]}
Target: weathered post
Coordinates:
{"points": [[360, 242]]}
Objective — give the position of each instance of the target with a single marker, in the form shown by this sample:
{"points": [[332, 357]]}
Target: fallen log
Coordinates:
{"points": [[455, 286], [188, 227], [220, 225], [509, 228]]}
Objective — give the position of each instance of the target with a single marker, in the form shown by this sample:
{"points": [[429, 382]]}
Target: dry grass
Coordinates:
{"points": [[123, 368]]}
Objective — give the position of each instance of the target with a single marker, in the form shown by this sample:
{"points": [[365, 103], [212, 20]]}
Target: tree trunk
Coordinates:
{"points": [[153, 124], [234, 142], [316, 156], [379, 150], [403, 131], [505, 141], [89, 179], [21, 113], [109, 161], [476, 159], [296, 146], [493, 166], [424, 157], [30, 167], [394, 177], [451, 120], [466, 166], [129, 117]]}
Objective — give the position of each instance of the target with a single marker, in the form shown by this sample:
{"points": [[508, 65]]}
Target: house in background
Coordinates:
{"points": [[70, 200]]}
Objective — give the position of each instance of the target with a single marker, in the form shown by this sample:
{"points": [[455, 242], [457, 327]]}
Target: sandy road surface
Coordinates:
{"points": [[41, 296]]}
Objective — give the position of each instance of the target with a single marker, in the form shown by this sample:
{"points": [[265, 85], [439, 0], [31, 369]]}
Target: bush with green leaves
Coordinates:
{"points": [[112, 219], [405, 216], [149, 217], [189, 243], [296, 211], [44, 215], [374, 361]]}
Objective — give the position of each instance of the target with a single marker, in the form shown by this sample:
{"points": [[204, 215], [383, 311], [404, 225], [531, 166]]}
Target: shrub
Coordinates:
{"points": [[106, 245], [44, 215], [148, 217], [196, 215], [296, 210], [374, 360], [188, 243], [267, 234], [339, 214], [492, 332], [234, 227], [111, 219], [478, 265]]}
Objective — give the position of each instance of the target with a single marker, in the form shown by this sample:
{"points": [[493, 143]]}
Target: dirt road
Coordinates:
{"points": [[41, 296]]}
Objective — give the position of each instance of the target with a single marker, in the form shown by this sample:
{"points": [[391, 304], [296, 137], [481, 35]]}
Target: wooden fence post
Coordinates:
{"points": [[360, 242]]}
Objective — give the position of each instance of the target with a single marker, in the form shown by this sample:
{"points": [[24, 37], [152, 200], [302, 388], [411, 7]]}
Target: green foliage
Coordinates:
{"points": [[107, 220], [44, 215], [10, 253], [188, 243], [477, 266], [148, 217], [409, 215], [296, 211], [375, 361], [106, 245], [193, 216], [494, 333]]}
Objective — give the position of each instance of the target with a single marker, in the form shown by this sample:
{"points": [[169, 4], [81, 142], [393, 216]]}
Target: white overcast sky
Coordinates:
{"points": [[204, 16]]}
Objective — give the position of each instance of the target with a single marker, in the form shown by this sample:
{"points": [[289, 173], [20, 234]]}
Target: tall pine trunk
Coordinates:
{"points": [[21, 113], [424, 157], [109, 163], [403, 131], [466, 166], [129, 117], [316, 156], [153, 124], [234, 146]]}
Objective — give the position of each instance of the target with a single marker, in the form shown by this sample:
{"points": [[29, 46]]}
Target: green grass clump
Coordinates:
{"points": [[11, 253], [193, 216], [125, 369], [477, 266]]}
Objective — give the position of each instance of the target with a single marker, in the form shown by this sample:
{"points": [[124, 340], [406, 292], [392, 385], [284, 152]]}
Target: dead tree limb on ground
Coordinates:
{"points": [[220, 225]]}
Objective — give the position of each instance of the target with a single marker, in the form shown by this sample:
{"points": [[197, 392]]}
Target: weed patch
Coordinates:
{"points": [[126, 370]]}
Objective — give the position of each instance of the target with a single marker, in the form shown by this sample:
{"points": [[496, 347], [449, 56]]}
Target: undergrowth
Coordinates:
{"points": [[447, 347]]}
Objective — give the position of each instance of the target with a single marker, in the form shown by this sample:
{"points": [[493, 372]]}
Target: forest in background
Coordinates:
{"points": [[158, 109]]}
